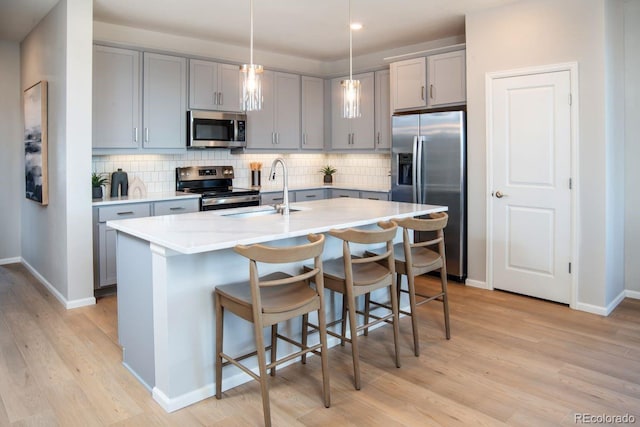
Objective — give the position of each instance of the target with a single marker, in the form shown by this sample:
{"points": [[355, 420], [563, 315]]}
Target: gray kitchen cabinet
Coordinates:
{"points": [[164, 101], [446, 74], [178, 206], [275, 198], [374, 195], [408, 84], [383, 111], [277, 125], [308, 195], [104, 238], [336, 192], [433, 81], [116, 98], [214, 86], [356, 133], [312, 113], [138, 111]]}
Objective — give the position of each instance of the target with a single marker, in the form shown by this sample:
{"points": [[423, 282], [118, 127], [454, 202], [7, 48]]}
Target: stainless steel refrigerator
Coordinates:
{"points": [[428, 165]]}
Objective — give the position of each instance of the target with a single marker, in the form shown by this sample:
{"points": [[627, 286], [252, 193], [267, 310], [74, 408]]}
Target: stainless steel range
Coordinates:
{"points": [[215, 185]]}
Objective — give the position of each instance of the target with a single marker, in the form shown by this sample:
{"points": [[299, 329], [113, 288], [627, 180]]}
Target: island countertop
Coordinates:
{"points": [[206, 231]]}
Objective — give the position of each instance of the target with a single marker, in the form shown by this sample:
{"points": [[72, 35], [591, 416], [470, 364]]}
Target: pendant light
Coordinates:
{"points": [[251, 97], [350, 88]]}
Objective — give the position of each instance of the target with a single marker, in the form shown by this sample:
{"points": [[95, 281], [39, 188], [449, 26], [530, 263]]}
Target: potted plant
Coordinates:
{"points": [[97, 181], [328, 172]]}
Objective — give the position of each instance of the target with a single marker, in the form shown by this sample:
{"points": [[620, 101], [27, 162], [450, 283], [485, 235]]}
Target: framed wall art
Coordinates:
{"points": [[35, 143]]}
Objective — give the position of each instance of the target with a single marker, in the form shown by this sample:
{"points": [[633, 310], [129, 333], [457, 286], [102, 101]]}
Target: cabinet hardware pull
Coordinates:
{"points": [[177, 208], [135, 134], [422, 93], [126, 213], [220, 99], [310, 196], [343, 195], [304, 139], [278, 198], [273, 137], [146, 134], [431, 91], [378, 138], [373, 198]]}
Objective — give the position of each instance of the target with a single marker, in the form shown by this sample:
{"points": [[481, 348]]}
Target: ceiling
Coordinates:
{"points": [[304, 28]]}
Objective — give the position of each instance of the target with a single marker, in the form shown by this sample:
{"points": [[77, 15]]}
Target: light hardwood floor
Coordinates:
{"points": [[512, 360]]}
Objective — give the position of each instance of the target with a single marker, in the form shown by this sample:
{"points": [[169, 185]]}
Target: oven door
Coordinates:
{"points": [[213, 203], [215, 129]]}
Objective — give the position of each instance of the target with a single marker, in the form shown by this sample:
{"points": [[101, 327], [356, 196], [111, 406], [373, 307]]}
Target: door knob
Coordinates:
{"points": [[499, 194]]}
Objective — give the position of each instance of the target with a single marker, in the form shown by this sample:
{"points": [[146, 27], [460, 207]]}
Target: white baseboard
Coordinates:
{"points": [[600, 310], [14, 260], [632, 294], [66, 303], [476, 284]]}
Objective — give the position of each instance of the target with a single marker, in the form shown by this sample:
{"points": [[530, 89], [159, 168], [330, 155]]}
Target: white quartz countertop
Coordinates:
{"points": [[206, 231], [150, 197]]}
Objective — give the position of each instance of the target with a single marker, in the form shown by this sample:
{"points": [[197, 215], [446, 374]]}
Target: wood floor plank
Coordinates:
{"points": [[512, 360]]}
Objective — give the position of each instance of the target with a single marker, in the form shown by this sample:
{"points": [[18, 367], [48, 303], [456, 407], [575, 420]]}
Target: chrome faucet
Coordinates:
{"points": [[284, 207]]}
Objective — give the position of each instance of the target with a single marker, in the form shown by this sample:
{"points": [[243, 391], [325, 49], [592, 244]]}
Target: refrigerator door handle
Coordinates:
{"points": [[418, 166], [414, 172]]}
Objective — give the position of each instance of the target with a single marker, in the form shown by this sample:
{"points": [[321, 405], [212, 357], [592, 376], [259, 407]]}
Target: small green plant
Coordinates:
{"points": [[328, 170], [98, 179]]}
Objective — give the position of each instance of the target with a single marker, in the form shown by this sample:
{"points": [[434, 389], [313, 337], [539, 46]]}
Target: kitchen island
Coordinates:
{"points": [[168, 267]]}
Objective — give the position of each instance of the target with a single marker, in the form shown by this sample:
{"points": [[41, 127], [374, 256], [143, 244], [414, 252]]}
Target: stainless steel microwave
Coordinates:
{"points": [[216, 129]]}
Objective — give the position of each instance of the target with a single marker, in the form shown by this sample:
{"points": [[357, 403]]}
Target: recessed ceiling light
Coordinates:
{"points": [[356, 26]]}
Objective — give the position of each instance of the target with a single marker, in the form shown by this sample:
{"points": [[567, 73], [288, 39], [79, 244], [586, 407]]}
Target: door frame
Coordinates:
{"points": [[572, 68]]}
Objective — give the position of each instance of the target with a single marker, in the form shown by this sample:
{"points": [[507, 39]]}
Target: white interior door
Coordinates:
{"points": [[530, 139]]}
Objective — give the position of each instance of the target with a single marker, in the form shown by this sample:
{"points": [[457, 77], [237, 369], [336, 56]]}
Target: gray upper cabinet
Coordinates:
{"points": [[164, 101], [277, 125], [427, 82], [383, 112], [213, 86], [116, 98], [357, 133], [447, 78], [408, 80], [312, 113]]}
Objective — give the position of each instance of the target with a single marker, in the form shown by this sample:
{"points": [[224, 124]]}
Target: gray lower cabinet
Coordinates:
{"points": [[104, 238], [307, 195], [336, 192], [172, 207], [276, 198], [374, 195]]}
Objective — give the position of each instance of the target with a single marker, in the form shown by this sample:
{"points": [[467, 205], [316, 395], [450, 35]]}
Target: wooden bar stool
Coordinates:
{"points": [[353, 276], [414, 259], [266, 301]]}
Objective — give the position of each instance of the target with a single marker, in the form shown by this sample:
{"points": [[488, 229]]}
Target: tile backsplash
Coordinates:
{"points": [[157, 171]]}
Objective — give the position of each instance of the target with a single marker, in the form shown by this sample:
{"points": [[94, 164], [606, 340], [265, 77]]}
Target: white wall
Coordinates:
{"points": [[533, 33], [56, 239], [632, 145], [615, 142], [11, 183]]}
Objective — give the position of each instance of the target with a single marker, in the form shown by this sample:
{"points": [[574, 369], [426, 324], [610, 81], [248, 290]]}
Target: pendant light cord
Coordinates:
{"points": [[350, 45], [251, 33]]}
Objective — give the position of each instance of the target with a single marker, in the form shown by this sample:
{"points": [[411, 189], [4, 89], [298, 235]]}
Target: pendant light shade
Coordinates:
{"points": [[350, 88], [251, 96]]}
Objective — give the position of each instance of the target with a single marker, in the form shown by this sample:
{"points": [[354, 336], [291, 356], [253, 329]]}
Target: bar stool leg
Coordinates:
{"points": [[414, 318], [367, 302], [344, 318], [262, 366], [274, 347], [219, 329], [322, 326], [305, 335], [355, 353], [445, 301], [393, 291]]}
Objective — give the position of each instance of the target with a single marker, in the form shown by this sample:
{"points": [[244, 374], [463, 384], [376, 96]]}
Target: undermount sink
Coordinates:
{"points": [[264, 212]]}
